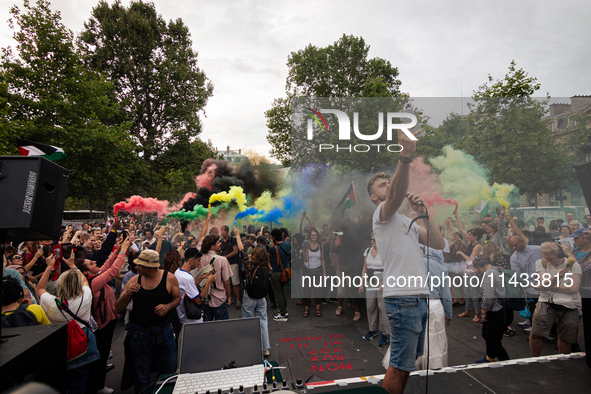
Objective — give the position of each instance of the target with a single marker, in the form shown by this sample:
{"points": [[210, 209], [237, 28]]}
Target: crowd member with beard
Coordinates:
{"points": [[150, 337], [398, 240], [103, 310]]}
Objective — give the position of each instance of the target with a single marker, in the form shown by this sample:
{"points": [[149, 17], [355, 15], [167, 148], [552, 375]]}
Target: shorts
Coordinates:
{"points": [[408, 320], [235, 278], [567, 322]]}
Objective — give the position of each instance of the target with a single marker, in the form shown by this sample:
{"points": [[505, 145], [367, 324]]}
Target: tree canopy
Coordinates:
{"points": [[48, 95], [342, 69], [154, 71]]}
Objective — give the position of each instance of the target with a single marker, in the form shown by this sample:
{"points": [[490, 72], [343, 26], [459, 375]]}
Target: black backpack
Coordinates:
{"points": [[19, 318], [259, 283]]}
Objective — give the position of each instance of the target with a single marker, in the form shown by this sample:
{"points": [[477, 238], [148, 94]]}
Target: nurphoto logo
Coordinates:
{"points": [[344, 129]]}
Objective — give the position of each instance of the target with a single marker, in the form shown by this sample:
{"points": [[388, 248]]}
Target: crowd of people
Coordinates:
{"points": [[160, 278]]}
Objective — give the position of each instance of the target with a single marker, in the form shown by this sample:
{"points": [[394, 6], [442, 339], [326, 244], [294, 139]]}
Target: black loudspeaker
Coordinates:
{"points": [[32, 196], [586, 307], [584, 174]]}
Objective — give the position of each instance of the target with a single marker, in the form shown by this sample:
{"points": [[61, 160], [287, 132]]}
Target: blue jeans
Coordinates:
{"points": [[252, 307], [408, 319], [145, 350], [219, 313]]}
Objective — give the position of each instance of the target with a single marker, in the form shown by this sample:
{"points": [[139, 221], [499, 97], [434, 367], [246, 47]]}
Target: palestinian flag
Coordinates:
{"points": [[29, 148], [348, 199], [482, 208]]}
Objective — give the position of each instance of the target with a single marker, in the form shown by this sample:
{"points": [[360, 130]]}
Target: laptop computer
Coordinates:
{"points": [[221, 354]]}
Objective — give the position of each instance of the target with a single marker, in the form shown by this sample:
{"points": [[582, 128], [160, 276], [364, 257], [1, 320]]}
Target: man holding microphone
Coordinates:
{"points": [[405, 278]]}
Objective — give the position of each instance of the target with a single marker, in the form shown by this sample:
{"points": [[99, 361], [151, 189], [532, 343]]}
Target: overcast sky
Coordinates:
{"points": [[441, 48]]}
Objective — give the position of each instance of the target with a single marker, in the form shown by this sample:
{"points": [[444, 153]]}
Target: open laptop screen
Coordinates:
{"points": [[212, 345]]}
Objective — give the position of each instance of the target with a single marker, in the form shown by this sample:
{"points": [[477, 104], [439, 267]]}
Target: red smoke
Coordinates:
{"points": [[421, 179], [205, 179], [142, 205], [433, 198], [178, 206]]}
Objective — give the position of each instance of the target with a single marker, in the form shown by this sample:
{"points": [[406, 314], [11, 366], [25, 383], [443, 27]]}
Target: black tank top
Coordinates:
{"points": [[469, 250], [145, 301]]}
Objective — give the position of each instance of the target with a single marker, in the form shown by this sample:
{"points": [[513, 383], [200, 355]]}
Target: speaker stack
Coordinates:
{"points": [[32, 196]]}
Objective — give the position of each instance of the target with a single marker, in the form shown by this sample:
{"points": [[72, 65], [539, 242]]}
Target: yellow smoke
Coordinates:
{"points": [[501, 192], [265, 202], [236, 194]]}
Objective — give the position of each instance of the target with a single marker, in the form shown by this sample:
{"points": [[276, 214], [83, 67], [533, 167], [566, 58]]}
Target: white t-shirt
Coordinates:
{"points": [[187, 286], [404, 269], [571, 301], [84, 302]]}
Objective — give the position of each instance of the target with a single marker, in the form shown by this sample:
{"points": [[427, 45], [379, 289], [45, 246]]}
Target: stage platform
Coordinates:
{"points": [[465, 343], [546, 374]]}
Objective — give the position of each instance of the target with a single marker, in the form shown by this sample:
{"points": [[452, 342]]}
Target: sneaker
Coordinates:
{"points": [[333, 300], [105, 390], [524, 324], [280, 317], [484, 360], [551, 340], [370, 335], [527, 330], [324, 302], [357, 316], [509, 332], [266, 353], [238, 305], [339, 311], [298, 303], [385, 341]]}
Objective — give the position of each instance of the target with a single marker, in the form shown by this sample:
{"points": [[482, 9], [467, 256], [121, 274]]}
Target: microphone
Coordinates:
{"points": [[570, 262], [418, 202]]}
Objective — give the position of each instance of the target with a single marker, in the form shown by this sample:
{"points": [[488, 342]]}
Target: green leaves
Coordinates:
{"points": [[154, 71], [48, 95], [339, 70]]}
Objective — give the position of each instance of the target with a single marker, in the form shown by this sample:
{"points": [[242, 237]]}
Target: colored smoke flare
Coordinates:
{"points": [[248, 212], [198, 212], [465, 180], [142, 205], [236, 194], [433, 198], [205, 179]]}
